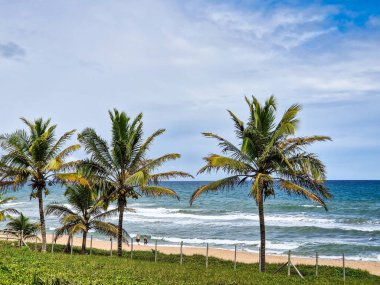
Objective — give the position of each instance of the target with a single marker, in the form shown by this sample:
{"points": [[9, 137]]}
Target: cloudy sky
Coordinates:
{"points": [[183, 63]]}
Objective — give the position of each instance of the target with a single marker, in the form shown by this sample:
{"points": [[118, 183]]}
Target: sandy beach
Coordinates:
{"points": [[242, 256]]}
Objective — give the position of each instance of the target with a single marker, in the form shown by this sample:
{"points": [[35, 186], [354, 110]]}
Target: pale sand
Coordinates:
{"points": [[242, 256]]}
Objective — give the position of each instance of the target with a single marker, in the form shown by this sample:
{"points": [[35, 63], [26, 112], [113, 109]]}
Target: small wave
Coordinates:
{"points": [[271, 246], [311, 206], [177, 216], [15, 203]]}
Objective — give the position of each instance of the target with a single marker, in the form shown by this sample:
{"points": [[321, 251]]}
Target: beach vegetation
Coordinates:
{"points": [[122, 169], [21, 228], [82, 213], [23, 266], [268, 156], [36, 157]]}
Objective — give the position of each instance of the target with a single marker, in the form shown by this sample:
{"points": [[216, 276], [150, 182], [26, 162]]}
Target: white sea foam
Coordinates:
{"points": [[236, 218], [311, 206], [246, 245], [11, 204]]}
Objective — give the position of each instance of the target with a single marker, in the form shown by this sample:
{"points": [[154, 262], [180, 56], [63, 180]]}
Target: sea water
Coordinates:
{"points": [[222, 219]]}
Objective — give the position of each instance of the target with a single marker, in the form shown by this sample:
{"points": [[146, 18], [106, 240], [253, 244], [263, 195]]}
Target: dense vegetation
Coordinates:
{"points": [[22, 266]]}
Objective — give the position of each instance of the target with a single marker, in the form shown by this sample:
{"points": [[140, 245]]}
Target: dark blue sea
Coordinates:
{"points": [[350, 226]]}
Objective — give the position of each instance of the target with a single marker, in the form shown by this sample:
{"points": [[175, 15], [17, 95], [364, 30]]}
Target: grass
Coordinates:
{"points": [[24, 266]]}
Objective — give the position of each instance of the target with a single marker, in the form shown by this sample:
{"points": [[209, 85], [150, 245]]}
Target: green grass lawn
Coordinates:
{"points": [[21, 266]]}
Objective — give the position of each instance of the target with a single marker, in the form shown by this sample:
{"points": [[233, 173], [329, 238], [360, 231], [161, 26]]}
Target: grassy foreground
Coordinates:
{"points": [[21, 266]]}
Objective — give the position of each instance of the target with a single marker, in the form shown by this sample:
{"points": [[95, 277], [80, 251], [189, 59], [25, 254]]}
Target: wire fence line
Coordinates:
{"points": [[19, 237]]}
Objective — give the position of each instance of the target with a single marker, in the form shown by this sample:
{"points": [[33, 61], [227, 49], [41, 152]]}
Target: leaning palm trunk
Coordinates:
{"points": [[42, 219], [84, 242], [262, 235], [68, 245], [121, 205]]}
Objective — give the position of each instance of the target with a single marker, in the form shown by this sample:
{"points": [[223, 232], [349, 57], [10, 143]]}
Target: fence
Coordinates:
{"points": [[19, 237], [10, 235]]}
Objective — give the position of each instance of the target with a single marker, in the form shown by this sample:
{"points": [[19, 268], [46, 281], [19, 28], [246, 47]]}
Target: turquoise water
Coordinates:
{"points": [[351, 226]]}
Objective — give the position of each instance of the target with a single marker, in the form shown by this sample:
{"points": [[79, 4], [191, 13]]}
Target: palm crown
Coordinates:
{"points": [[85, 212], [4, 212], [122, 169], [269, 157], [35, 156], [22, 227]]}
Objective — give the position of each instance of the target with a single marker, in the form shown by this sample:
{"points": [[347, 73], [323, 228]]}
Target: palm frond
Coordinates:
{"points": [[158, 191], [157, 177], [225, 183], [150, 165], [58, 210], [228, 148], [227, 164], [292, 188]]}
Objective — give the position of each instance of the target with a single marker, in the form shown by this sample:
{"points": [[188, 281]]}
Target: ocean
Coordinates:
{"points": [[350, 226]]}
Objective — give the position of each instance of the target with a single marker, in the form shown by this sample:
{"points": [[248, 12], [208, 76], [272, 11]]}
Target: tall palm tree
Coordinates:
{"points": [[37, 157], [4, 212], [21, 228], [270, 158], [122, 168], [84, 213]]}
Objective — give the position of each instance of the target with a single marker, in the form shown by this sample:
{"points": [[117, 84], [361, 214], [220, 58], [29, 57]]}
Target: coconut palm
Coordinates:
{"points": [[270, 158], [84, 213], [4, 212], [21, 228], [122, 168], [37, 157]]}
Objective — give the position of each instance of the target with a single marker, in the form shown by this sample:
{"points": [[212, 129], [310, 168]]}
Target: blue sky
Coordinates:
{"points": [[183, 63]]}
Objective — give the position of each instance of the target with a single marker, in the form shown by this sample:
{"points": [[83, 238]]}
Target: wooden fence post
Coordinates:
{"points": [[259, 259], [316, 263], [155, 252], [181, 254], [91, 245], [131, 248], [21, 238], [111, 247], [235, 259], [52, 243], [344, 269], [289, 263], [72, 244], [207, 255]]}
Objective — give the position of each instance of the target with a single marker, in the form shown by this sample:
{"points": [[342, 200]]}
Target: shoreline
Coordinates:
{"points": [[372, 267]]}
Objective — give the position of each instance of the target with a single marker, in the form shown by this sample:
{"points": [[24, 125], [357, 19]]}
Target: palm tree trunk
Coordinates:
{"points": [[121, 205], [67, 246], [84, 242], [42, 219], [262, 234]]}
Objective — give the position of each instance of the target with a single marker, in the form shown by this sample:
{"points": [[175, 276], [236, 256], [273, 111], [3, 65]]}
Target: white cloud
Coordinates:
{"points": [[183, 65]]}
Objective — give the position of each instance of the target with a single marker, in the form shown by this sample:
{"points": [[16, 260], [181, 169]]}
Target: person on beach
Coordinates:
{"points": [[145, 240], [138, 239]]}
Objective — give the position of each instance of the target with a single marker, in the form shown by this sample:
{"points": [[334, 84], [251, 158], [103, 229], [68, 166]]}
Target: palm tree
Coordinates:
{"points": [[270, 158], [35, 156], [122, 169], [21, 228], [84, 213], [4, 212]]}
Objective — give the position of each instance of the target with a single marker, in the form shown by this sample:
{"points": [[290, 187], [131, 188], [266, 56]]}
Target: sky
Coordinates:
{"points": [[184, 63]]}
